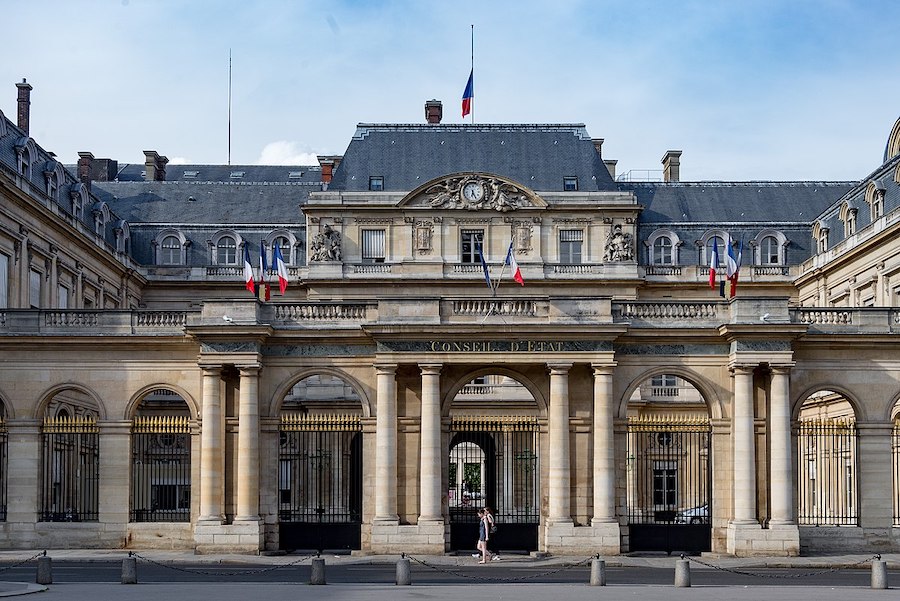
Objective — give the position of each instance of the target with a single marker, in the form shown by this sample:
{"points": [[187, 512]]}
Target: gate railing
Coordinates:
{"points": [[320, 469], [668, 475], [70, 470], [4, 466], [827, 472], [161, 469], [895, 461]]}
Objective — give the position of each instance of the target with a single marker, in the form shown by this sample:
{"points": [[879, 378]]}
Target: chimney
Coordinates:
{"points": [[24, 114], [329, 164], [155, 166], [598, 143], [672, 166], [85, 166], [611, 167], [434, 111]]}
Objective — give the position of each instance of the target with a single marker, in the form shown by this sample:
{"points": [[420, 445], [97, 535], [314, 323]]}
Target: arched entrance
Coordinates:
{"points": [[668, 467], [320, 464], [494, 461]]}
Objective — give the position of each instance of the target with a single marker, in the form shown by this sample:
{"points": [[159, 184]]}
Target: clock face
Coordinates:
{"points": [[473, 191]]}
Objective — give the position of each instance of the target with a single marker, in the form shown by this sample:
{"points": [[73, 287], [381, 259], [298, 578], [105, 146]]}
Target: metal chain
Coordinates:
{"points": [[219, 572], [496, 579], [782, 576], [23, 562]]}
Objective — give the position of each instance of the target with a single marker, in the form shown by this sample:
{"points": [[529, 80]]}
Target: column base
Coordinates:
{"points": [[778, 540], [428, 537], [565, 538], [243, 536]]}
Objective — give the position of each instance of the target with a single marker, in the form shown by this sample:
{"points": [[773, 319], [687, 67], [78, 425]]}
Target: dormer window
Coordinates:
{"points": [[237, 175], [570, 184], [191, 174], [376, 183], [295, 175]]}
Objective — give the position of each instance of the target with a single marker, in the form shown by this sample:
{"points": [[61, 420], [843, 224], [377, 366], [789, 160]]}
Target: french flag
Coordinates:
{"points": [[248, 270], [713, 262], [264, 289], [280, 267], [513, 265], [468, 96], [734, 266]]}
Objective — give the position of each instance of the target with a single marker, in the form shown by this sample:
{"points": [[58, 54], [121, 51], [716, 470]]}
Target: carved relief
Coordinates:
{"points": [[522, 237], [476, 193], [619, 245], [326, 245], [424, 233]]}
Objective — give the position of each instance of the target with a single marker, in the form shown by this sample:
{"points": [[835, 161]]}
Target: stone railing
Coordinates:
{"points": [[159, 319], [229, 271], [668, 310], [573, 269], [777, 270], [371, 268], [841, 317], [306, 312], [664, 269], [843, 320], [71, 319], [488, 306], [89, 322]]}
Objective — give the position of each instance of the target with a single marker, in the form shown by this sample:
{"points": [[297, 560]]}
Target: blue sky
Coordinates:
{"points": [[747, 89]]}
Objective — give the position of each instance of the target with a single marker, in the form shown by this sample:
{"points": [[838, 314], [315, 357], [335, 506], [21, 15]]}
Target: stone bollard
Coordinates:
{"points": [[317, 574], [129, 570], [598, 572], [682, 573], [879, 574], [44, 571], [403, 577]]}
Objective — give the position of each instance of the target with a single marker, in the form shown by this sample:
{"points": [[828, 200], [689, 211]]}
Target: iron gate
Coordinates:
{"points": [[320, 482], [495, 462], [668, 486]]}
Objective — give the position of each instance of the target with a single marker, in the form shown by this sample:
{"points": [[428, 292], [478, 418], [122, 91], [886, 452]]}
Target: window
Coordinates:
{"points": [[284, 245], [570, 246], [768, 251], [664, 483], [716, 242], [662, 251], [373, 246], [25, 162], [376, 183], [63, 294], [823, 240], [4, 281], [471, 241], [226, 251], [877, 204], [570, 184], [170, 251], [34, 289]]}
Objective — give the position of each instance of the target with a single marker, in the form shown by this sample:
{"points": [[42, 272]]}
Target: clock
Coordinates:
{"points": [[473, 191]]}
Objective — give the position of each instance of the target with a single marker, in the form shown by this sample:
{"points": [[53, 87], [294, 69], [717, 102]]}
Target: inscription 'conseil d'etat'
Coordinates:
{"points": [[496, 346]]}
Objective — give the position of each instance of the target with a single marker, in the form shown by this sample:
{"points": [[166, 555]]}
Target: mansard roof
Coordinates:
{"points": [[408, 155], [720, 202], [227, 173]]}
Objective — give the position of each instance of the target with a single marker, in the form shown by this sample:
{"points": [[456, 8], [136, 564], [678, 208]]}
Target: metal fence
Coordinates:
{"points": [[827, 473], [4, 467], [70, 470], [160, 469], [895, 463]]}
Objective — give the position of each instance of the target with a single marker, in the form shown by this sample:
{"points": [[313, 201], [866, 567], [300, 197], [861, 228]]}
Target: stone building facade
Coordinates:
{"points": [[614, 402]]}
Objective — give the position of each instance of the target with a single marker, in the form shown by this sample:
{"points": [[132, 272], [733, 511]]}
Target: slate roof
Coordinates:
{"points": [[226, 173], [409, 155], [717, 202], [225, 203]]}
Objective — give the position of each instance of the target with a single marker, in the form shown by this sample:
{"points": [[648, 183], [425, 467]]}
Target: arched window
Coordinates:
{"points": [[713, 242], [285, 246], [662, 248], [25, 154], [769, 252], [170, 251], [662, 251], [226, 251], [848, 216]]}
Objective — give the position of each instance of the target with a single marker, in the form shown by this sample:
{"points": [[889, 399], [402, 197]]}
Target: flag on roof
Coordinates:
{"points": [[484, 266], [265, 290], [248, 270], [468, 95], [714, 262], [280, 267], [733, 278], [513, 265]]}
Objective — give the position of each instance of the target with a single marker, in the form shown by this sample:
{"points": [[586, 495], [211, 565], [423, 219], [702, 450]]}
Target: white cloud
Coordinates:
{"points": [[283, 152]]}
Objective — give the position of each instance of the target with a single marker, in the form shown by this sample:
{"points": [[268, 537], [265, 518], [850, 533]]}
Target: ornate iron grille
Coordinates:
{"points": [[161, 469], [495, 462], [827, 468], [668, 475], [4, 466], [320, 469], [70, 470]]}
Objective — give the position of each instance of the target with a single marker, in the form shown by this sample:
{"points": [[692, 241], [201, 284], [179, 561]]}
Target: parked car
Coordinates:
{"points": [[694, 515]]}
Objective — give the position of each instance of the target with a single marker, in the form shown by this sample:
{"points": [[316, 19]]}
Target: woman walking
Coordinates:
{"points": [[484, 531], [492, 533]]}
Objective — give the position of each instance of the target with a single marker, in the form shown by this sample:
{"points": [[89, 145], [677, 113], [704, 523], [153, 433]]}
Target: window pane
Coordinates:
{"points": [[662, 251], [226, 251], [171, 251], [376, 184], [716, 241], [34, 296], [470, 243], [63, 294], [570, 246], [4, 281], [373, 246], [769, 250], [285, 246]]}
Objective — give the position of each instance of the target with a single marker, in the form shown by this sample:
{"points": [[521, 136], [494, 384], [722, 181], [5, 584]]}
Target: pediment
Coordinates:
{"points": [[473, 192]]}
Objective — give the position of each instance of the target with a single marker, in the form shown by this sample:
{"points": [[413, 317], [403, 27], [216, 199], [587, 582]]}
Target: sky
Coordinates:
{"points": [[746, 89]]}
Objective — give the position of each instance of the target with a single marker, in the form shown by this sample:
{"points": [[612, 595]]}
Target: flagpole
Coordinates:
{"points": [[473, 72], [229, 106]]}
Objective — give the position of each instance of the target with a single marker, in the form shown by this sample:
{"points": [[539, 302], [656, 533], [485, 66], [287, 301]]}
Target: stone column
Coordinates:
{"points": [[560, 477], [248, 446], [744, 448], [430, 456], [386, 444], [23, 476], [604, 447], [781, 484], [115, 470], [212, 449]]}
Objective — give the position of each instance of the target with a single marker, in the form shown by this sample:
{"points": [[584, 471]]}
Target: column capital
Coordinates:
{"points": [[603, 369], [431, 368], [741, 368], [211, 370], [783, 368], [559, 368], [385, 368], [249, 370]]}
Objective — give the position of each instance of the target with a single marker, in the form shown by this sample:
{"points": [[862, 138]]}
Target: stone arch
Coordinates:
{"points": [[137, 398], [893, 408], [539, 399], [703, 386], [892, 148], [446, 190], [797, 401], [48, 395], [282, 390], [7, 411]]}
